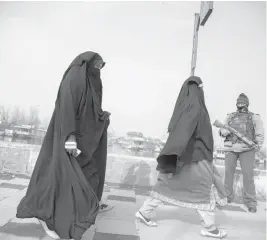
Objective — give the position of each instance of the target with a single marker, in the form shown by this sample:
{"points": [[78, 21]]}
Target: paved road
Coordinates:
{"points": [[183, 224], [174, 223]]}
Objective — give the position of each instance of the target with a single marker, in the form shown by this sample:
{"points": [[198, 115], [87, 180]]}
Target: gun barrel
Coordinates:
{"points": [[232, 130]]}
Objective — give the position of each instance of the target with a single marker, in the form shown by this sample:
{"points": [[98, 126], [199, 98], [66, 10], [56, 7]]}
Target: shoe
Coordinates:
{"points": [[145, 220], [252, 209], [104, 208], [221, 234], [50, 233]]}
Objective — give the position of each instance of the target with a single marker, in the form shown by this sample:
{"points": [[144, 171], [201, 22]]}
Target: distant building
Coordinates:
{"points": [[123, 142], [149, 145], [38, 132], [8, 132], [22, 130], [3, 126], [135, 134], [22, 133], [137, 140]]}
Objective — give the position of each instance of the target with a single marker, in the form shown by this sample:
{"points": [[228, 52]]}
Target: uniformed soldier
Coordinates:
{"points": [[251, 126]]}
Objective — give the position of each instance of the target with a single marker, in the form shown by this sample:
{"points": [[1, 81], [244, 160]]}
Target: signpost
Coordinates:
{"points": [[200, 20]]}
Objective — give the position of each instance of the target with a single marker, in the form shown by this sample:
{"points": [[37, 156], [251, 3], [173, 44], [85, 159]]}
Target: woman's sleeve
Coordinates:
{"points": [[186, 127], [70, 93]]}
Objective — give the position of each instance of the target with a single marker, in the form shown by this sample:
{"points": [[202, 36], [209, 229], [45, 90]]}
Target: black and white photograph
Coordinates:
{"points": [[133, 120]]}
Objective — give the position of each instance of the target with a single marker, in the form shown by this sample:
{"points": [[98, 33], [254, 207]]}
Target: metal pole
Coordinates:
{"points": [[195, 43], [206, 9]]}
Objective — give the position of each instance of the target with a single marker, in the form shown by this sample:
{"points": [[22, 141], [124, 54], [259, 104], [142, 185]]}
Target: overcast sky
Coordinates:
{"points": [[147, 47]]}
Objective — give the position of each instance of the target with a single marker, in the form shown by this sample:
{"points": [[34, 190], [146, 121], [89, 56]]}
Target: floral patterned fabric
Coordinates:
{"points": [[197, 186]]}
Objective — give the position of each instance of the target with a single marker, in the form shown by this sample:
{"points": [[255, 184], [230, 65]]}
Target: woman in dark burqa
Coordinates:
{"points": [[187, 176], [67, 182]]}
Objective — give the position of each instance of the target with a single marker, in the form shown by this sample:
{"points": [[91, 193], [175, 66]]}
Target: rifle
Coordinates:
{"points": [[250, 143]]}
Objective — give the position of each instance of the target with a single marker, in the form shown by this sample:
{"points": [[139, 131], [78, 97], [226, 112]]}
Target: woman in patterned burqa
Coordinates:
{"points": [[67, 182], [187, 176]]}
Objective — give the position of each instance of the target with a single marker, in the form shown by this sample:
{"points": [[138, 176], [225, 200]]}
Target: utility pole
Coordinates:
{"points": [[201, 18]]}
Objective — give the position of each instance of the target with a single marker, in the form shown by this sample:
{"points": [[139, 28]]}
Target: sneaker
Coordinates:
{"points": [[221, 234], [145, 220], [104, 208], [50, 233]]}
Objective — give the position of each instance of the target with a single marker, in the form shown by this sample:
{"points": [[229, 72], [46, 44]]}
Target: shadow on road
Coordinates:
{"points": [[138, 178], [184, 215], [23, 230]]}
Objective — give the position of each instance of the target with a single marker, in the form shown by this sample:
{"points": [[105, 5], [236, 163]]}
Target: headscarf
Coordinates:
{"points": [[88, 58], [191, 89], [186, 116]]}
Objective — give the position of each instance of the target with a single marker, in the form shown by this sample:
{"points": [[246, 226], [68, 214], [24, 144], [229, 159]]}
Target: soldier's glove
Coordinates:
{"points": [[224, 132]]}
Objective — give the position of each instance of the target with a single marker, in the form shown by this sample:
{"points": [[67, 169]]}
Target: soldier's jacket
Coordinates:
{"points": [[249, 125]]}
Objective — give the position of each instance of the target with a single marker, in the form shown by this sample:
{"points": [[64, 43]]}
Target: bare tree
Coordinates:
{"points": [[18, 116], [45, 122], [5, 114], [33, 116]]}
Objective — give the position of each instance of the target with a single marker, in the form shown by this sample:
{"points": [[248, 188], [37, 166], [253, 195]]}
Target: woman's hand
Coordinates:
{"points": [[71, 146]]}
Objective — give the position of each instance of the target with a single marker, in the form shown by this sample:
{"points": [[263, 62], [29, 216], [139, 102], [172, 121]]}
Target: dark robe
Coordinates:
{"points": [[60, 192], [190, 132], [188, 154]]}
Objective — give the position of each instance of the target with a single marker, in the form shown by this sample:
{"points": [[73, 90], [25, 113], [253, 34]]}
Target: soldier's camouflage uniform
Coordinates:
{"points": [[251, 126]]}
